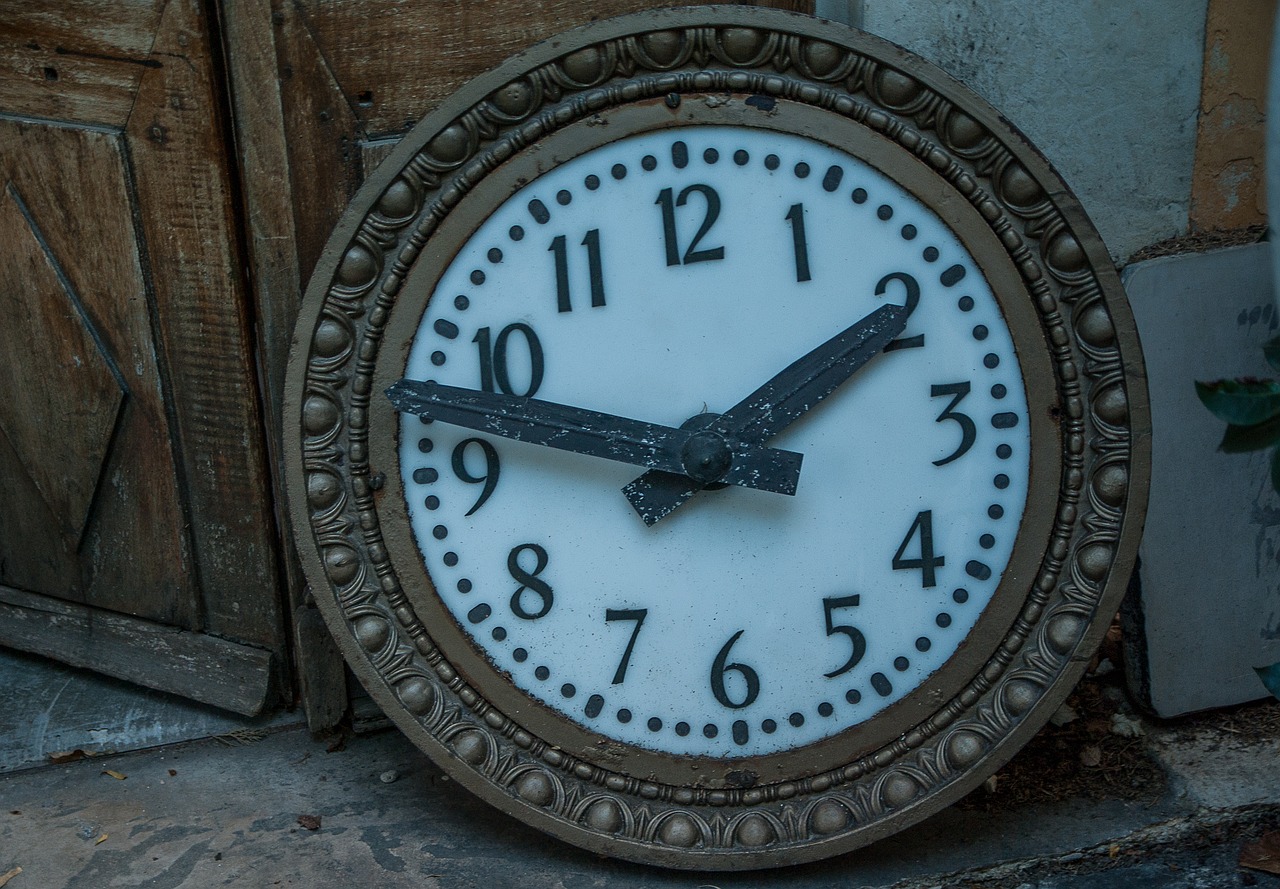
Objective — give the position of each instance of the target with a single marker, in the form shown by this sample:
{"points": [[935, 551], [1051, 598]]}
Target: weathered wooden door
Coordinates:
{"points": [[136, 528]]}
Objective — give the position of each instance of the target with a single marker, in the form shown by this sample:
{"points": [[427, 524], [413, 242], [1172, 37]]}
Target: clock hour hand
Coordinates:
{"points": [[776, 405], [695, 453]]}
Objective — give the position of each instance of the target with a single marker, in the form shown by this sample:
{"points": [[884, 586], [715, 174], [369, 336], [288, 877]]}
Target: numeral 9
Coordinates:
{"points": [[491, 468]]}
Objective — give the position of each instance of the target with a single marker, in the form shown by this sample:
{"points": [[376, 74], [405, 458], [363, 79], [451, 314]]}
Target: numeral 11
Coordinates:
{"points": [[594, 270]]}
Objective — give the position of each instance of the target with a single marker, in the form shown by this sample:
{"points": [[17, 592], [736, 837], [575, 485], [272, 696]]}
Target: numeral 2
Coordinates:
{"points": [[923, 525], [595, 271], [672, 239], [913, 300], [636, 614]]}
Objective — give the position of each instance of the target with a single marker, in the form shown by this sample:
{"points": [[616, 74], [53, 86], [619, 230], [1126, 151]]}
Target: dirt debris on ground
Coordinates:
{"points": [[1201, 241]]}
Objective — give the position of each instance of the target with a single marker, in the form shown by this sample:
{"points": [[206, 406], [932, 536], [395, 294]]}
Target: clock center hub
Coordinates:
{"points": [[706, 456]]}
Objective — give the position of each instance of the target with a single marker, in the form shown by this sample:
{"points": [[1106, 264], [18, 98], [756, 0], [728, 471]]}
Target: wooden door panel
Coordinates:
{"points": [[92, 504], [132, 461]]}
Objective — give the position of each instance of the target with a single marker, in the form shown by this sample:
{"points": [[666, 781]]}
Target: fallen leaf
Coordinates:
{"points": [[1091, 756], [1264, 855], [1113, 852], [1126, 726], [1064, 715], [173, 772], [310, 822], [102, 839], [5, 878], [119, 776], [1270, 676]]}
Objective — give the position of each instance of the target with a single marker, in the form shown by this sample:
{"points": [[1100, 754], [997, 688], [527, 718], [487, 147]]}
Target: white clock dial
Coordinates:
{"points": [[665, 276]]}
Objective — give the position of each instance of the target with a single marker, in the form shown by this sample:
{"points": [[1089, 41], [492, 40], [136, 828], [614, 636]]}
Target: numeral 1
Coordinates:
{"points": [[923, 525], [595, 270], [796, 217]]}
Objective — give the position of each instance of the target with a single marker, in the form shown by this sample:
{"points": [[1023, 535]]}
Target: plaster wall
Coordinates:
{"points": [[1109, 92]]}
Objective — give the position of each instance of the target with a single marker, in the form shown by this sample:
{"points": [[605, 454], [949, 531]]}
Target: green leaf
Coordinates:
{"points": [[1242, 439], [1275, 470], [1270, 677], [1271, 349], [1242, 402]]}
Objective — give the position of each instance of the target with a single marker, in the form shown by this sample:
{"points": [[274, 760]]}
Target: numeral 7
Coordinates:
{"points": [[636, 614]]}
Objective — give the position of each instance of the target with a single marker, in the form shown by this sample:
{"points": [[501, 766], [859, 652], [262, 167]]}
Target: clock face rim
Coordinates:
{"points": [[436, 708], [576, 140]]}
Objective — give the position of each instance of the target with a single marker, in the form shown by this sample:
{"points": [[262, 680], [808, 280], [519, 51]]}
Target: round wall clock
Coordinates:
{"points": [[716, 438]]}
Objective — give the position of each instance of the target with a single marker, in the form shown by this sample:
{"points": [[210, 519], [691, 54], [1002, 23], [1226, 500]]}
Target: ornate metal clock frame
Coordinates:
{"points": [[1052, 277]]}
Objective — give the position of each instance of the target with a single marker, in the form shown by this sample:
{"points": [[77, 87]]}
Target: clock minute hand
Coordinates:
{"points": [[777, 404], [694, 453]]}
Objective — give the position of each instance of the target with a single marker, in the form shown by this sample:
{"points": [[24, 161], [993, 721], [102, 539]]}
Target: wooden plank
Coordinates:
{"points": [[75, 60], [395, 62], [321, 131], [205, 668], [179, 150], [276, 284]]}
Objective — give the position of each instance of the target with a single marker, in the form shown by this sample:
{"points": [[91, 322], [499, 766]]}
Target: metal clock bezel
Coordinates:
{"points": [[353, 544]]}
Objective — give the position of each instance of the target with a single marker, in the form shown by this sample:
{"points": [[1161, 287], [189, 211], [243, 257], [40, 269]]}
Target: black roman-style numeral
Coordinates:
{"points": [[491, 468], [632, 614], [857, 641], [928, 562], [494, 365], [720, 667], [799, 243], [530, 582], [912, 288], [595, 270], [693, 253], [968, 431]]}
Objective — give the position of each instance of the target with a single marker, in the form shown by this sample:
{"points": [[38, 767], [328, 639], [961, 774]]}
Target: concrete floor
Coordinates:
{"points": [[225, 811]]}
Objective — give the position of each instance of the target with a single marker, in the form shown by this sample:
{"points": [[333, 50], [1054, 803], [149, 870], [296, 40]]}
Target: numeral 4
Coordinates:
{"points": [[928, 562]]}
